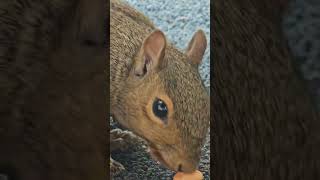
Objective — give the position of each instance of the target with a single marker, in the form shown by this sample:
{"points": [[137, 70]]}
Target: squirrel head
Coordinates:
{"points": [[164, 100]]}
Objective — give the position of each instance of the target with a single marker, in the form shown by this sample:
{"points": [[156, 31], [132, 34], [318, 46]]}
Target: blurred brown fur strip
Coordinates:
{"points": [[265, 123], [52, 89]]}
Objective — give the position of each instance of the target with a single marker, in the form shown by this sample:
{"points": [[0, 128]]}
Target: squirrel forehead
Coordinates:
{"points": [[180, 74], [182, 83]]}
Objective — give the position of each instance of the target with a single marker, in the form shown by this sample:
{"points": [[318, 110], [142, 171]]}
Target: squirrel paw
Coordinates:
{"points": [[121, 139], [115, 167]]}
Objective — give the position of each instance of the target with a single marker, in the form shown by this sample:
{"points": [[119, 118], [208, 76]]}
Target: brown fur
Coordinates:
{"points": [[266, 126], [52, 105], [173, 77]]}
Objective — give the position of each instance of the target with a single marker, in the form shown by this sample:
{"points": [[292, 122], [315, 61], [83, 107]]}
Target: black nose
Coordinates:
{"points": [[180, 168]]}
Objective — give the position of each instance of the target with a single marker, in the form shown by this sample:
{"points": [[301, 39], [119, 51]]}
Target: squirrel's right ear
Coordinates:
{"points": [[196, 47], [151, 54]]}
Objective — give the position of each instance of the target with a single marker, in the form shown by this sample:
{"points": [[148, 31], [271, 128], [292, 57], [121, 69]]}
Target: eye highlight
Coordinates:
{"points": [[160, 109]]}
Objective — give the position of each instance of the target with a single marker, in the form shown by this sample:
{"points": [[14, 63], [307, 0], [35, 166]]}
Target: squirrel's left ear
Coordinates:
{"points": [[151, 54], [196, 48]]}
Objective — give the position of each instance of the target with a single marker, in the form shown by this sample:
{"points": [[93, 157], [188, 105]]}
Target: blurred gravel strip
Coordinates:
{"points": [[302, 29]]}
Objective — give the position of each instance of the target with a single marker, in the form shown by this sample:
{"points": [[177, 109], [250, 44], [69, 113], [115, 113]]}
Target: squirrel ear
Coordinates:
{"points": [[151, 53], [197, 47]]}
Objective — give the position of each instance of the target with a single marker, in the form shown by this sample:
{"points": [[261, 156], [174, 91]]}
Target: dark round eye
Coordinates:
{"points": [[160, 109]]}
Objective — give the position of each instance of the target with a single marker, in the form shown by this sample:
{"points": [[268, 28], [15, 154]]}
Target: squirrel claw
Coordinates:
{"points": [[115, 167], [118, 143], [120, 139]]}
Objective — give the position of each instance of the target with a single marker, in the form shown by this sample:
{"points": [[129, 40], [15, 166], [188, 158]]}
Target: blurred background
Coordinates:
{"points": [[180, 19]]}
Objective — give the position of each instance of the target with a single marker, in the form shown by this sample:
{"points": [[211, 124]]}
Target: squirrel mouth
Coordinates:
{"points": [[156, 155]]}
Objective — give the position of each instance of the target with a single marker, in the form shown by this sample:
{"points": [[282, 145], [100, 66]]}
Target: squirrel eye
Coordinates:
{"points": [[160, 109]]}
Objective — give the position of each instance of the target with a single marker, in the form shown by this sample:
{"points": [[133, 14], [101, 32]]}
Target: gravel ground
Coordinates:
{"points": [[178, 20]]}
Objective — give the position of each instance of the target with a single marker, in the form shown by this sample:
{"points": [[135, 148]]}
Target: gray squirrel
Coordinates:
{"points": [[156, 90]]}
